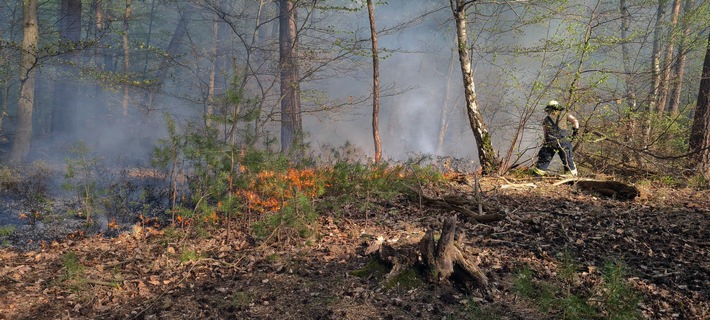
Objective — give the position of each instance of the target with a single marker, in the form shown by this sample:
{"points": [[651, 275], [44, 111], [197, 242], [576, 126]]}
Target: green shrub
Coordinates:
{"points": [[6, 231], [73, 271], [82, 178], [619, 300], [562, 297], [30, 183], [189, 255]]}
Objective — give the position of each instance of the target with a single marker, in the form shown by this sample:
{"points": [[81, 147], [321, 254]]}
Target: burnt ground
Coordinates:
{"points": [[660, 238]]}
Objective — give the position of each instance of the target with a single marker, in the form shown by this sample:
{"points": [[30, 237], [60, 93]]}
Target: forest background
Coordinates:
{"points": [[252, 148], [107, 73]]}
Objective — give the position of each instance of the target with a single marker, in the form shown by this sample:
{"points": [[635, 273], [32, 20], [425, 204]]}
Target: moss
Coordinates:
{"points": [[374, 267], [407, 279]]}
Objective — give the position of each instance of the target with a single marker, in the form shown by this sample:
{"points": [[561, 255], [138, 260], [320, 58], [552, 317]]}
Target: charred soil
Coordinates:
{"points": [[555, 239]]}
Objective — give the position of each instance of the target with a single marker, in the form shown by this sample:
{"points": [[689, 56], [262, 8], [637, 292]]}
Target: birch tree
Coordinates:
{"points": [[486, 155]]}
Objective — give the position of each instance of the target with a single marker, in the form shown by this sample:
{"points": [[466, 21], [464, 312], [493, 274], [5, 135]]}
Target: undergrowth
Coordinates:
{"points": [[268, 194], [564, 296]]}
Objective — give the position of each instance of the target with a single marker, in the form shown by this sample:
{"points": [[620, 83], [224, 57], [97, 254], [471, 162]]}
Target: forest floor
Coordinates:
{"points": [[555, 240]]}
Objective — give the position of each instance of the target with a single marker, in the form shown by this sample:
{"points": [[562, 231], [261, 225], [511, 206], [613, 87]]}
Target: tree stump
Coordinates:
{"points": [[445, 261], [438, 261]]}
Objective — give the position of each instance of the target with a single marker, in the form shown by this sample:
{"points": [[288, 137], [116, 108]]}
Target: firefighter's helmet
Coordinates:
{"points": [[553, 105]]}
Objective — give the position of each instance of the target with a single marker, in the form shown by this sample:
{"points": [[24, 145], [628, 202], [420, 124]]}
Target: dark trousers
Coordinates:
{"points": [[563, 147]]}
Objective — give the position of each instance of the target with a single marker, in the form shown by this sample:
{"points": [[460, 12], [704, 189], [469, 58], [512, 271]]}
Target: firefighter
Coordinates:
{"points": [[558, 139]]}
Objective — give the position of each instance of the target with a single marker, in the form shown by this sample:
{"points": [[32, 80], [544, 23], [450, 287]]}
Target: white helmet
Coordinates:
{"points": [[553, 105]]}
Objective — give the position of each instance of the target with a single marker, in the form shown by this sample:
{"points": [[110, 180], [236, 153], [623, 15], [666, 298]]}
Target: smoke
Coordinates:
{"points": [[420, 78]]}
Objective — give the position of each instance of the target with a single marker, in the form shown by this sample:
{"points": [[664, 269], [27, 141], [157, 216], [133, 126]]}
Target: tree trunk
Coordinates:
{"points": [[486, 155], [656, 60], [126, 57], [210, 106], [291, 124], [375, 84], [626, 56], [64, 110], [444, 114], [630, 95], [700, 132], [104, 111], [170, 53], [679, 66], [30, 40], [668, 59], [6, 81]]}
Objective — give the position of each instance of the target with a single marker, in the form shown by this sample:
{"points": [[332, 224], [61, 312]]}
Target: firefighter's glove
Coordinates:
{"points": [[575, 132]]}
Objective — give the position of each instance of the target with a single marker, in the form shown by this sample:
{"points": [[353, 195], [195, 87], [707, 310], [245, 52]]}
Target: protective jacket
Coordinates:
{"points": [[556, 127]]}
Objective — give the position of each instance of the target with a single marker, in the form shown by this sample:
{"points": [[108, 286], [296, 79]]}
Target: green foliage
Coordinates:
{"points": [[474, 311], [30, 183], [189, 255], [290, 217], [213, 165], [373, 268], [523, 283], [200, 157], [81, 177], [671, 181], [698, 181], [574, 307], [567, 269], [356, 185], [544, 294], [171, 234], [562, 297], [6, 231], [241, 299], [35, 189], [618, 298], [73, 269], [406, 279]]}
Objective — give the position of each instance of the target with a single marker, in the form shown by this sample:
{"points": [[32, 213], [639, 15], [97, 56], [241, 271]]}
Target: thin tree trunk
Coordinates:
{"points": [[668, 59], [6, 83], [630, 98], [486, 155], [444, 114], [209, 111], [626, 56], [30, 40], [99, 60], [291, 125], [700, 132], [656, 60], [126, 57], [584, 50], [375, 84], [64, 110], [679, 66], [171, 52]]}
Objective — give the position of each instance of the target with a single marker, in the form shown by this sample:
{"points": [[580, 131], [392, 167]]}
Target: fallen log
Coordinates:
{"points": [[613, 189], [462, 205], [518, 186]]}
